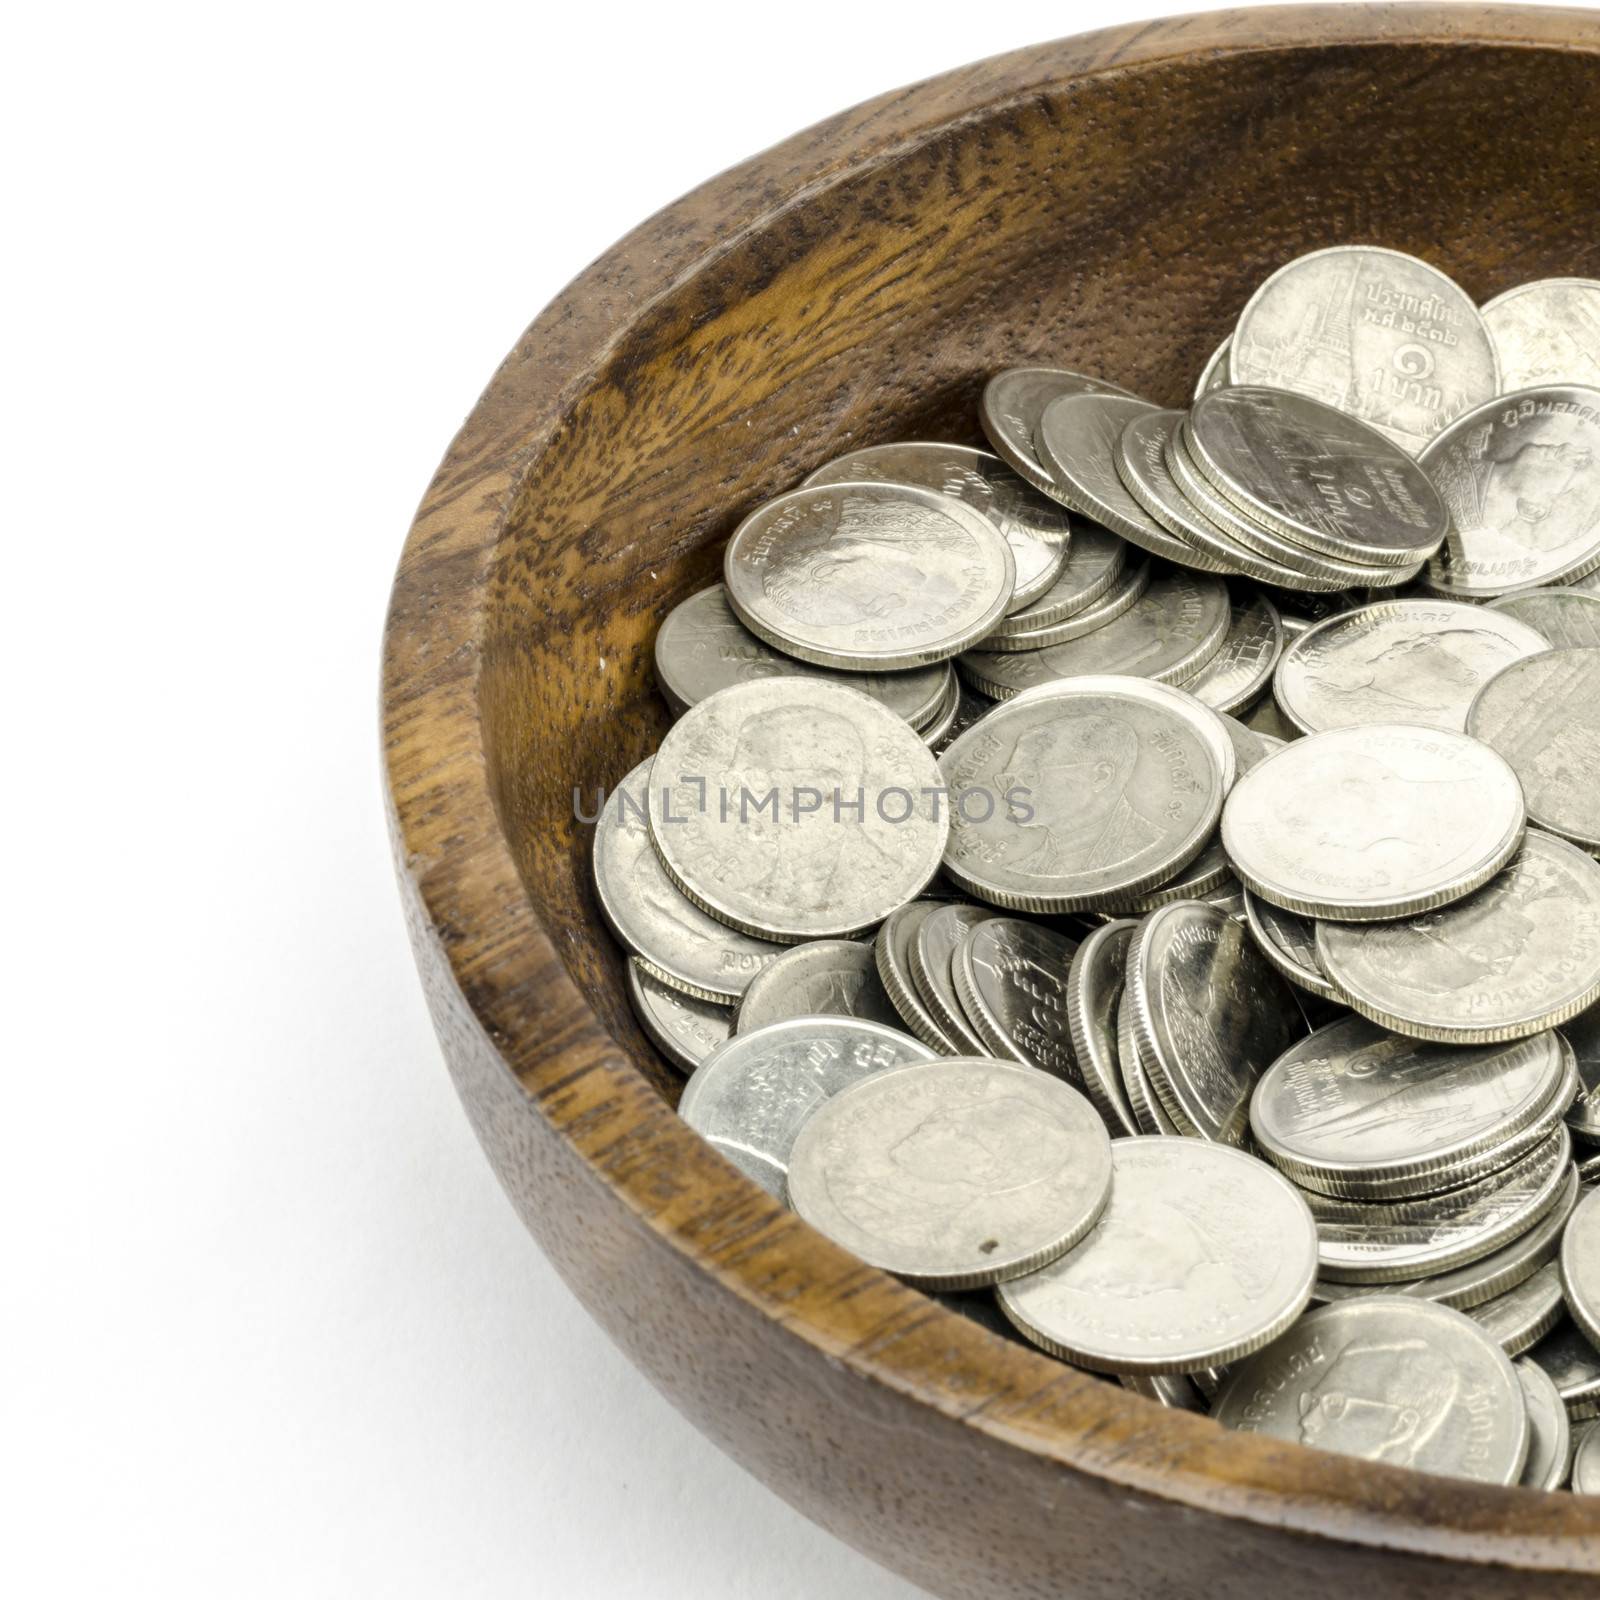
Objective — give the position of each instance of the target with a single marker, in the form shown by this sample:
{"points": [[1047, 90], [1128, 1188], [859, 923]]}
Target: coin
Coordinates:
{"points": [[1419, 661], [892, 956], [933, 951], [1201, 877], [1132, 581], [1168, 635], [1357, 1112], [796, 810], [1095, 561], [702, 647], [750, 1098], [941, 729], [1149, 1115], [1582, 1033], [1289, 942], [1035, 527], [821, 978], [1214, 375], [955, 1173], [1391, 1241], [870, 577], [677, 943], [1518, 475], [1094, 989], [683, 1029], [1209, 1016], [1586, 1463], [1573, 1366], [1202, 1256], [1519, 955], [1546, 332], [1012, 403], [1011, 979], [1079, 439], [1549, 1431], [1378, 334], [1257, 549], [1170, 1389], [1543, 715], [1580, 1266], [1518, 1319], [1064, 797], [1371, 823], [1564, 618], [1404, 1382], [1238, 673]]}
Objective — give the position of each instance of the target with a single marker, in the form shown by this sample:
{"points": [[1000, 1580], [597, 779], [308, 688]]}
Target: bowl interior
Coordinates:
{"points": [[1115, 224]]}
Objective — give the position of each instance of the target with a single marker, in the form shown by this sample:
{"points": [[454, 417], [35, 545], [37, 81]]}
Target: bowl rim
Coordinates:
{"points": [[458, 866]]}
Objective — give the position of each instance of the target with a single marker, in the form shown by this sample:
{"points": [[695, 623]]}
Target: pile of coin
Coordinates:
{"points": [[1139, 885]]}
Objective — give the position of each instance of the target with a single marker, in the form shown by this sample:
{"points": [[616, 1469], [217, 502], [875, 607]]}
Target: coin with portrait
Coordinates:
{"points": [[1546, 332], [1565, 618], [955, 1173], [871, 577], [1404, 1382], [796, 810]]}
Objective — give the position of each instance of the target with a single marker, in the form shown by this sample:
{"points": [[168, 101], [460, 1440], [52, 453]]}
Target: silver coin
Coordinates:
{"points": [[1518, 1319], [1036, 528], [892, 951], [1546, 332], [1168, 635], [683, 1029], [1173, 1390], [1289, 942], [1549, 1430], [1257, 549], [941, 729], [870, 577], [821, 978], [1316, 476], [1203, 876], [1567, 619], [1371, 823], [1236, 676], [1475, 1282], [1418, 661], [972, 706], [1515, 957], [1095, 561], [1586, 1463], [750, 1098], [1543, 715], [1011, 978], [702, 647], [1356, 1112], [953, 1174], [796, 810], [1079, 440], [1521, 476], [1149, 1116], [1209, 1015], [1013, 402], [1132, 581], [1379, 334], [1393, 1241], [1580, 1266], [1573, 1366], [1066, 797], [1582, 1034], [676, 942], [1588, 1170], [937, 939], [1202, 1256], [1403, 1382], [1094, 989], [1214, 375]]}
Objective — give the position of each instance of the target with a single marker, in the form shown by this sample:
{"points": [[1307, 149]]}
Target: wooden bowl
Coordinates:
{"points": [[1108, 203]]}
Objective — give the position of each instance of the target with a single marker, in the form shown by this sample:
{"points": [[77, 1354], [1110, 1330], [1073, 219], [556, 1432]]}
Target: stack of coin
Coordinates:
{"points": [[1138, 882]]}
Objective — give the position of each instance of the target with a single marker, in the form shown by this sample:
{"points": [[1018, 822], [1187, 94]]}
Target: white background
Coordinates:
{"points": [[275, 1331]]}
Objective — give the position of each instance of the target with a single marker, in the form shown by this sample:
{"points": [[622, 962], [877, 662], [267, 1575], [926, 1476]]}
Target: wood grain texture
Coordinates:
{"points": [[1108, 202]]}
